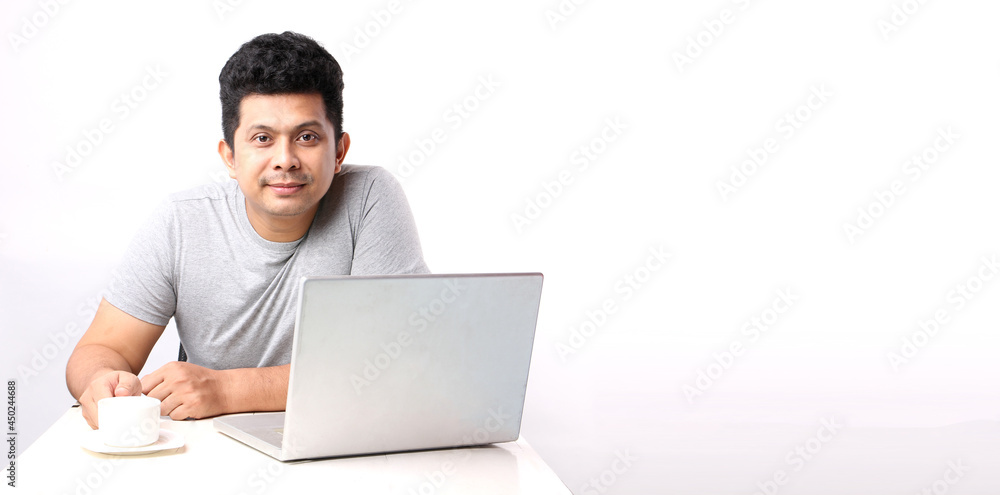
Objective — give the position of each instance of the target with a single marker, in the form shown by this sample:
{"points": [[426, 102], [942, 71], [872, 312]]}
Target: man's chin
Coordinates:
{"points": [[286, 211], [285, 207]]}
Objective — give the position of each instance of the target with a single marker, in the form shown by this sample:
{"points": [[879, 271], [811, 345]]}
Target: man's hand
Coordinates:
{"points": [[187, 390], [110, 384], [107, 357]]}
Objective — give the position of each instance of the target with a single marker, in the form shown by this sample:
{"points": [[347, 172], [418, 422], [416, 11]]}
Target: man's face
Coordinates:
{"points": [[284, 156]]}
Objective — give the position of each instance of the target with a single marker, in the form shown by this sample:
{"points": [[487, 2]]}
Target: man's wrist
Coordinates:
{"points": [[231, 394], [253, 389]]}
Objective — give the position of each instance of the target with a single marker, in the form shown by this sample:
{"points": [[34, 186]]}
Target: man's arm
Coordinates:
{"points": [[186, 390], [387, 240], [115, 348], [110, 353]]}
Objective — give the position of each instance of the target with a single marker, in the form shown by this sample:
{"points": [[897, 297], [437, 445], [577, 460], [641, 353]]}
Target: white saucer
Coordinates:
{"points": [[168, 440]]}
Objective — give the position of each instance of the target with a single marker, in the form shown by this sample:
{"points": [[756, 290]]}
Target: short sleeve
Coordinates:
{"points": [[143, 284], [387, 242]]}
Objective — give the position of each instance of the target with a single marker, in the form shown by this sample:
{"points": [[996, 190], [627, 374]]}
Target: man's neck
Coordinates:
{"points": [[281, 229]]}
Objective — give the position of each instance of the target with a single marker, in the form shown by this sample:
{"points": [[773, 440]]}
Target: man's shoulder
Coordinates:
{"points": [[357, 188], [208, 200], [362, 173], [205, 193], [363, 183]]}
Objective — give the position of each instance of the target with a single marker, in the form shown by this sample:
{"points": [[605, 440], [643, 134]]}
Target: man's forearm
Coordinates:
{"points": [[257, 389], [87, 362]]}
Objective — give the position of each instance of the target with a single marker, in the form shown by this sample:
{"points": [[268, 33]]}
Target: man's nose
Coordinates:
{"points": [[284, 156]]}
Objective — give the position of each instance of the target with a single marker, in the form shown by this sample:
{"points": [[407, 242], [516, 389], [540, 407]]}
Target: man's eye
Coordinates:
{"points": [[308, 137], [261, 138]]}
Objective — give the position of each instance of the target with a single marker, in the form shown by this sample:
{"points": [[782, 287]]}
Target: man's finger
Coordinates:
{"points": [[180, 413], [128, 384], [102, 387], [170, 406], [89, 406], [89, 413], [151, 381], [159, 392]]}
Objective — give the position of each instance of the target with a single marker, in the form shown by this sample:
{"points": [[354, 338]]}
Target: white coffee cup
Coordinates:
{"points": [[129, 421]]}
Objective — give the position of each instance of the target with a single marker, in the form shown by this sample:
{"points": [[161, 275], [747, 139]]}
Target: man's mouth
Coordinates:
{"points": [[285, 188]]}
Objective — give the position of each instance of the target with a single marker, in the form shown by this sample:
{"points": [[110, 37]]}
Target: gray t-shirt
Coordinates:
{"points": [[233, 293]]}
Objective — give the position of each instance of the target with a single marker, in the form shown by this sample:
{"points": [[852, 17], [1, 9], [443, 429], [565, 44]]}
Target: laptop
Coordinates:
{"points": [[401, 363]]}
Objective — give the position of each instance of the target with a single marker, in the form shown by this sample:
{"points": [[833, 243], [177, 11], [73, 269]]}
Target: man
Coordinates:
{"points": [[224, 260]]}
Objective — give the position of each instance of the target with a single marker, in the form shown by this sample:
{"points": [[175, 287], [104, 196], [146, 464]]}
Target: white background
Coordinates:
{"points": [[686, 125]]}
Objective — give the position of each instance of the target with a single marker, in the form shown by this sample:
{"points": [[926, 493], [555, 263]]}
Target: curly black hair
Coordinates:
{"points": [[286, 63]]}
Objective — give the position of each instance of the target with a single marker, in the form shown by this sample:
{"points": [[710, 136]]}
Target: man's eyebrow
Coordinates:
{"points": [[262, 127]]}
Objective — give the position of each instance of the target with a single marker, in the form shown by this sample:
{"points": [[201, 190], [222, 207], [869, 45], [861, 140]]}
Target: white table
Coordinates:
{"points": [[211, 462]]}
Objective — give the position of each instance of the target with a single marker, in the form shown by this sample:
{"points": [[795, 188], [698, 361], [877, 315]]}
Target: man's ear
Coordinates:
{"points": [[342, 146], [227, 157]]}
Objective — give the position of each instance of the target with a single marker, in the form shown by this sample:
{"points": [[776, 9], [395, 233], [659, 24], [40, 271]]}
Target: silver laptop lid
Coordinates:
{"points": [[408, 362]]}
